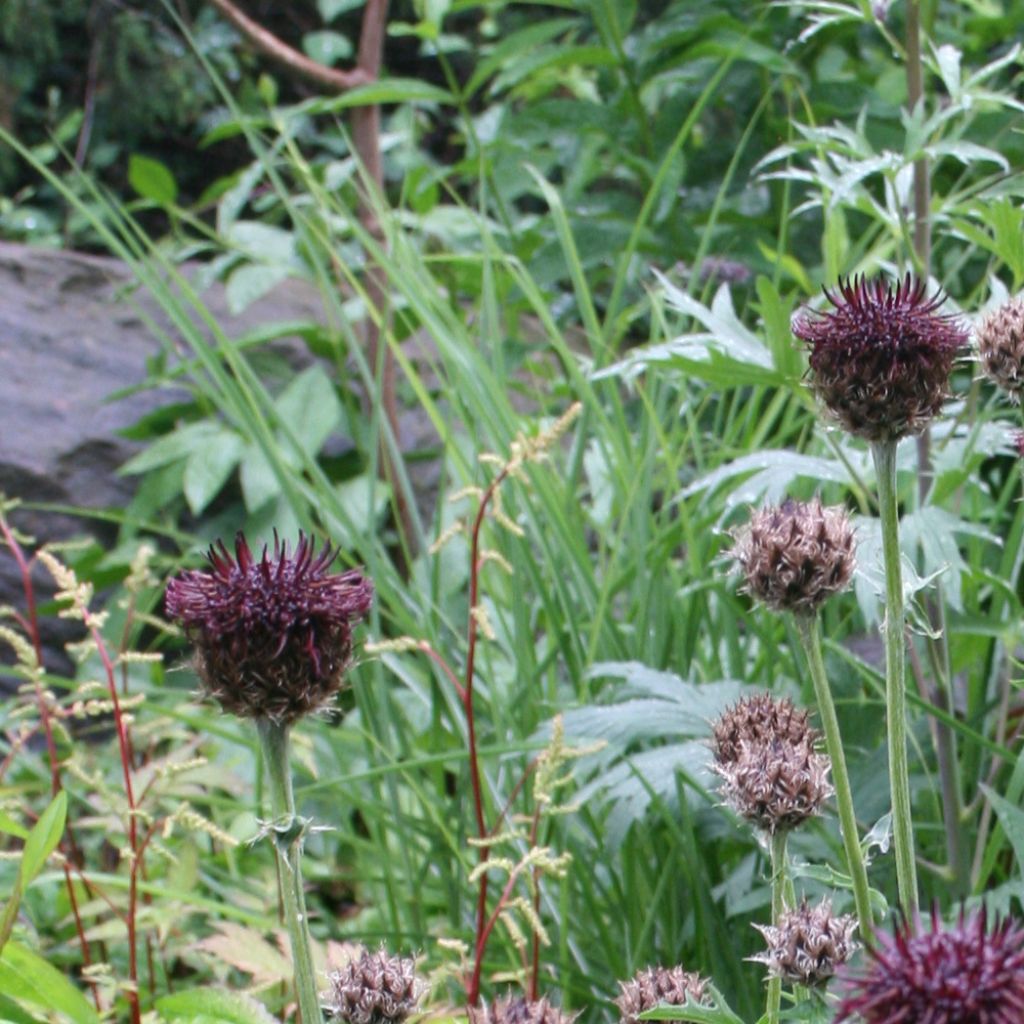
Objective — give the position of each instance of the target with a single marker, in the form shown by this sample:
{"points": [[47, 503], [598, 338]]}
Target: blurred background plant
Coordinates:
{"points": [[614, 203]]}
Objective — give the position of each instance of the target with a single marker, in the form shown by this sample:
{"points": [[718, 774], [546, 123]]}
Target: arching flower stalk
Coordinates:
{"points": [[880, 363], [273, 638], [794, 557]]}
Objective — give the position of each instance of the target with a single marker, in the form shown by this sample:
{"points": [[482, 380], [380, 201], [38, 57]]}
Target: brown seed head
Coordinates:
{"points": [[881, 358], [1001, 347], [518, 1010], [776, 786], [654, 985], [273, 635], [759, 719], [764, 753], [807, 944], [374, 988], [965, 974], [796, 555]]}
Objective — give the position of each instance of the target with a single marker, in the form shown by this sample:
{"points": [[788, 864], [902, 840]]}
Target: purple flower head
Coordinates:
{"points": [[881, 358], [273, 635], [962, 975]]}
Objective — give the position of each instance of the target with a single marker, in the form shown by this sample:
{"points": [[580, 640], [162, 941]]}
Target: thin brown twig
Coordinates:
{"points": [[293, 60]]}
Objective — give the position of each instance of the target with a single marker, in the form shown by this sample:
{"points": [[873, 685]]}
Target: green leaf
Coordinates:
{"points": [[12, 1013], [173, 447], [39, 844], [718, 1013], [44, 837], [387, 90], [213, 1006], [209, 467], [28, 978], [330, 9], [309, 407], [251, 282], [11, 827], [258, 479], [326, 47], [1011, 818], [152, 180]]}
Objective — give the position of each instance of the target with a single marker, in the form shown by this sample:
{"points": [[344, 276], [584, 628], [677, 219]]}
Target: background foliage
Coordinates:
{"points": [[599, 201]]}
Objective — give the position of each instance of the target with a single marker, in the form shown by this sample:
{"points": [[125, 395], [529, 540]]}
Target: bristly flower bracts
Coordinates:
{"points": [[273, 635], [881, 358]]}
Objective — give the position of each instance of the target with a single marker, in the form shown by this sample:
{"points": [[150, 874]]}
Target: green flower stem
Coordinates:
{"points": [[810, 637], [287, 831], [884, 455], [780, 881]]}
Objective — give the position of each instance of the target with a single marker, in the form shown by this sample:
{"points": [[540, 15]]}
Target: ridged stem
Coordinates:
{"points": [[780, 881], [287, 831], [884, 455], [810, 637]]}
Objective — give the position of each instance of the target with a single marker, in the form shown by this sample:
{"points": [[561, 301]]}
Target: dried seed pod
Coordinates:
{"points": [[796, 555], [518, 1010], [965, 974], [776, 785], [881, 358], [1001, 347], [655, 985], [807, 944], [273, 636], [759, 719], [374, 988]]}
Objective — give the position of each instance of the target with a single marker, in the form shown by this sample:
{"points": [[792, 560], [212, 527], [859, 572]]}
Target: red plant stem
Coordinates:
{"points": [[483, 931], [124, 746], [30, 622]]}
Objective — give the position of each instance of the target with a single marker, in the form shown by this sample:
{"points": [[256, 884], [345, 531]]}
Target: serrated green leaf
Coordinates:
{"points": [[28, 978], [210, 1005], [309, 407], [208, 469], [152, 180]]}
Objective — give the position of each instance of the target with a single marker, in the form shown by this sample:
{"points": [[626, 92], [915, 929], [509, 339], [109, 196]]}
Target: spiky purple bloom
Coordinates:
{"points": [[273, 635], [881, 358], [962, 975]]}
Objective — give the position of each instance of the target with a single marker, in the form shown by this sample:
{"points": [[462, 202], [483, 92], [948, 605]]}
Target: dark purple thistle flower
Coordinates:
{"points": [[881, 358], [273, 635], [963, 975]]}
